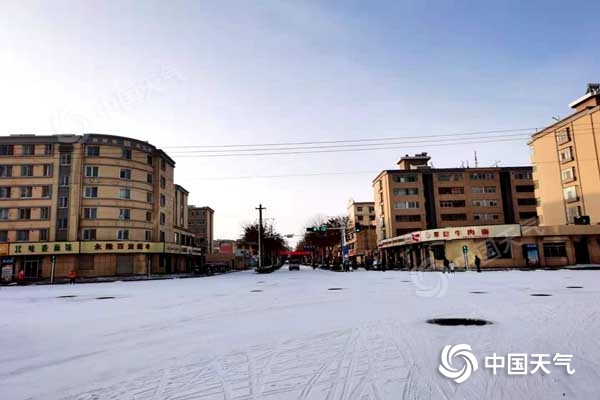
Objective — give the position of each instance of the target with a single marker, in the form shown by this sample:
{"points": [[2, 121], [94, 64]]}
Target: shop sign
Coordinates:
{"points": [[121, 247], [25, 249]]}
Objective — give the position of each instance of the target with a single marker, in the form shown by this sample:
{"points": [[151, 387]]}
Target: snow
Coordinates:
{"points": [[214, 338]]}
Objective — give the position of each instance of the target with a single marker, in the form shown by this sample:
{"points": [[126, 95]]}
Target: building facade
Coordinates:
{"points": [[201, 224], [566, 160], [97, 204], [417, 197], [361, 244]]}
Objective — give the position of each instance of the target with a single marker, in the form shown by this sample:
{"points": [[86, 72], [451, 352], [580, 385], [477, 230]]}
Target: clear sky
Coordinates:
{"points": [[246, 72]]}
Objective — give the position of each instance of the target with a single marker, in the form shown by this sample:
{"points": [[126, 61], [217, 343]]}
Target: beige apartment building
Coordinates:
{"points": [[416, 197], [97, 204], [361, 244], [201, 224], [566, 160]]}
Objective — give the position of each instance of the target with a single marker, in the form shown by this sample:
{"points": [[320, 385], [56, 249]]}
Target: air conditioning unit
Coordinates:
{"points": [[582, 220]]}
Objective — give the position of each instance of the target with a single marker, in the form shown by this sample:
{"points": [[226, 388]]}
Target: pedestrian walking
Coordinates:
{"points": [[478, 263], [409, 263], [21, 277], [72, 277], [446, 265], [451, 267]]}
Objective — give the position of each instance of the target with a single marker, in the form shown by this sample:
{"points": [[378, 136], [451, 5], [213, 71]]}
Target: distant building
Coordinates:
{"points": [[223, 246], [566, 160], [417, 197], [201, 224], [361, 244]]}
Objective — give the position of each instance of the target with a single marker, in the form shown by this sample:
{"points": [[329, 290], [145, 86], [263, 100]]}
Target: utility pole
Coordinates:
{"points": [[260, 209]]}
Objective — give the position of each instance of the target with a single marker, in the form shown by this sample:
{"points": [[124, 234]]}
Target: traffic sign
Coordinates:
{"points": [[465, 249]]}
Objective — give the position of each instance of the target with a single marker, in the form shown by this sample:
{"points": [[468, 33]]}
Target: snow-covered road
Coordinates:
{"points": [[287, 336]]}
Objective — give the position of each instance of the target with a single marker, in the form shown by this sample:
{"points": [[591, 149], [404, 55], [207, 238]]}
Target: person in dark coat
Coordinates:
{"points": [[446, 265], [478, 263]]}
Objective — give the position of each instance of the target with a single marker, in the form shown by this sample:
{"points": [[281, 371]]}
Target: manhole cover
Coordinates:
{"points": [[574, 287], [255, 291], [478, 292], [68, 296], [104, 297], [260, 282], [406, 281], [540, 295], [335, 288], [458, 322]]}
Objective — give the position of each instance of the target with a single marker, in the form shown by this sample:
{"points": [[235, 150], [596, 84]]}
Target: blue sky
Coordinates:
{"points": [[280, 71]]}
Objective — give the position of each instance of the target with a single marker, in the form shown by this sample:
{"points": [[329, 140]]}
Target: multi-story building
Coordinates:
{"points": [[98, 204], [566, 160], [201, 224], [362, 243], [416, 197]]}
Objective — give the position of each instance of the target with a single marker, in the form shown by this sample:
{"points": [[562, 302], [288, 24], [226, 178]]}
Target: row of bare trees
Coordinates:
{"points": [[323, 243], [272, 242]]}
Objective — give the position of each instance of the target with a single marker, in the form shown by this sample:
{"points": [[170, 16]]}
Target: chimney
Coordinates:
{"points": [[590, 99]]}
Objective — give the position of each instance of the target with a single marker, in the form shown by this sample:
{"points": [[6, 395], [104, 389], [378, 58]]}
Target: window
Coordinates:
{"points": [[371, 210], [148, 197], [454, 217], [43, 235], [498, 248], [27, 170], [93, 151], [451, 190], [123, 234], [148, 236], [3, 236], [162, 218], [483, 189], [163, 182], [125, 173], [48, 149], [525, 188], [148, 216], [48, 170], [46, 191], [124, 213], [563, 136], [126, 154], [484, 203], [450, 177], [452, 204], [62, 223], [91, 172], [522, 175], [408, 218], [28, 149], [7, 149], [149, 178], [570, 193], [162, 236], [163, 200], [64, 180], [406, 191], [149, 159], [573, 212], [359, 209], [90, 213], [405, 178], [555, 250], [486, 217], [22, 235], [125, 193], [91, 192], [26, 192], [566, 154], [3, 214], [89, 234], [525, 215], [5, 171], [568, 175], [44, 212], [483, 176], [63, 202], [163, 164], [527, 201], [4, 192], [401, 205], [176, 238], [65, 159], [359, 217]]}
